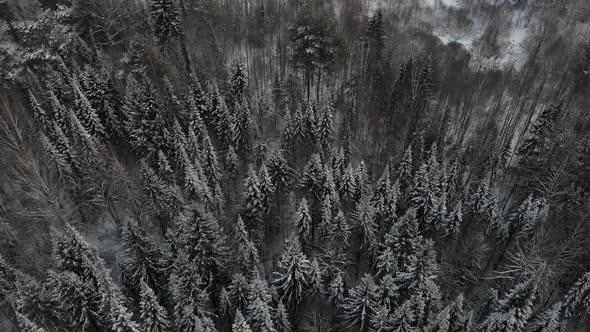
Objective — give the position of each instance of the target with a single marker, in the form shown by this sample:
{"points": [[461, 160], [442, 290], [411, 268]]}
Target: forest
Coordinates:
{"points": [[294, 165]]}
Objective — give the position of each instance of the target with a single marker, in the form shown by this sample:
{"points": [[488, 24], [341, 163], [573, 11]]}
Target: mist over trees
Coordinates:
{"points": [[294, 165]]}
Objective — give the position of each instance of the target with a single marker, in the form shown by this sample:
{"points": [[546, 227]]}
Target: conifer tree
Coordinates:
{"points": [[382, 321], [292, 280], [210, 163], [389, 292], [238, 292], [403, 318], [27, 325], [254, 205], [366, 229], [405, 168], [404, 239], [231, 162], [143, 260], [259, 310], [153, 315], [336, 289], [166, 21], [324, 130], [240, 324], [348, 184], [239, 83], [359, 307], [266, 187], [577, 297], [513, 311], [281, 319], [243, 129], [454, 221], [340, 230], [40, 116], [315, 281], [279, 171], [549, 320], [88, 115], [303, 221], [423, 194]]}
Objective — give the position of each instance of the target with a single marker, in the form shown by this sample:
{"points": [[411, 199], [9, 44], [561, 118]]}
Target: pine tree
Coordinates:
{"points": [[404, 239], [405, 168], [423, 194], [389, 292], [240, 324], [454, 221], [382, 321], [266, 187], [513, 311], [143, 260], [403, 318], [315, 281], [210, 163], [348, 184], [153, 315], [88, 115], [254, 205], [27, 325], [281, 319], [199, 234], [577, 297], [279, 171], [324, 130], [336, 289], [231, 162], [544, 125], [359, 307], [238, 292], [340, 230], [292, 280], [40, 116], [303, 221], [166, 21], [258, 309], [366, 229], [243, 129], [239, 83]]}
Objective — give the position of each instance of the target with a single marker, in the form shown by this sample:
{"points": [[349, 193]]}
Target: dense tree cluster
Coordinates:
{"points": [[183, 176]]}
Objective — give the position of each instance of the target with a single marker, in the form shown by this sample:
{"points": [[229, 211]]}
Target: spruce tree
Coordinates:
{"points": [[577, 297], [240, 324], [239, 83], [143, 260], [303, 222], [153, 315], [166, 21], [549, 320], [359, 307], [281, 319], [292, 279], [336, 289]]}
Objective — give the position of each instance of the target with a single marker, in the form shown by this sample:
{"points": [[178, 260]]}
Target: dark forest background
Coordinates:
{"points": [[294, 165]]}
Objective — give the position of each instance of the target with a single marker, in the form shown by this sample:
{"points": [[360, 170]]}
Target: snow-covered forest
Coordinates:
{"points": [[295, 165]]}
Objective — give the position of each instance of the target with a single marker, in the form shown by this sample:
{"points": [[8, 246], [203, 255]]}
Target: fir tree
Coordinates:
{"points": [[389, 292], [166, 21], [359, 307], [405, 168], [577, 297], [281, 319], [454, 221], [231, 162], [40, 116], [366, 229], [340, 231], [266, 187], [336, 289], [238, 292], [240, 324], [153, 315], [549, 320], [348, 185], [254, 205], [325, 131], [239, 84], [292, 280], [279, 171], [143, 260], [404, 239], [303, 221], [27, 325], [315, 281]]}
